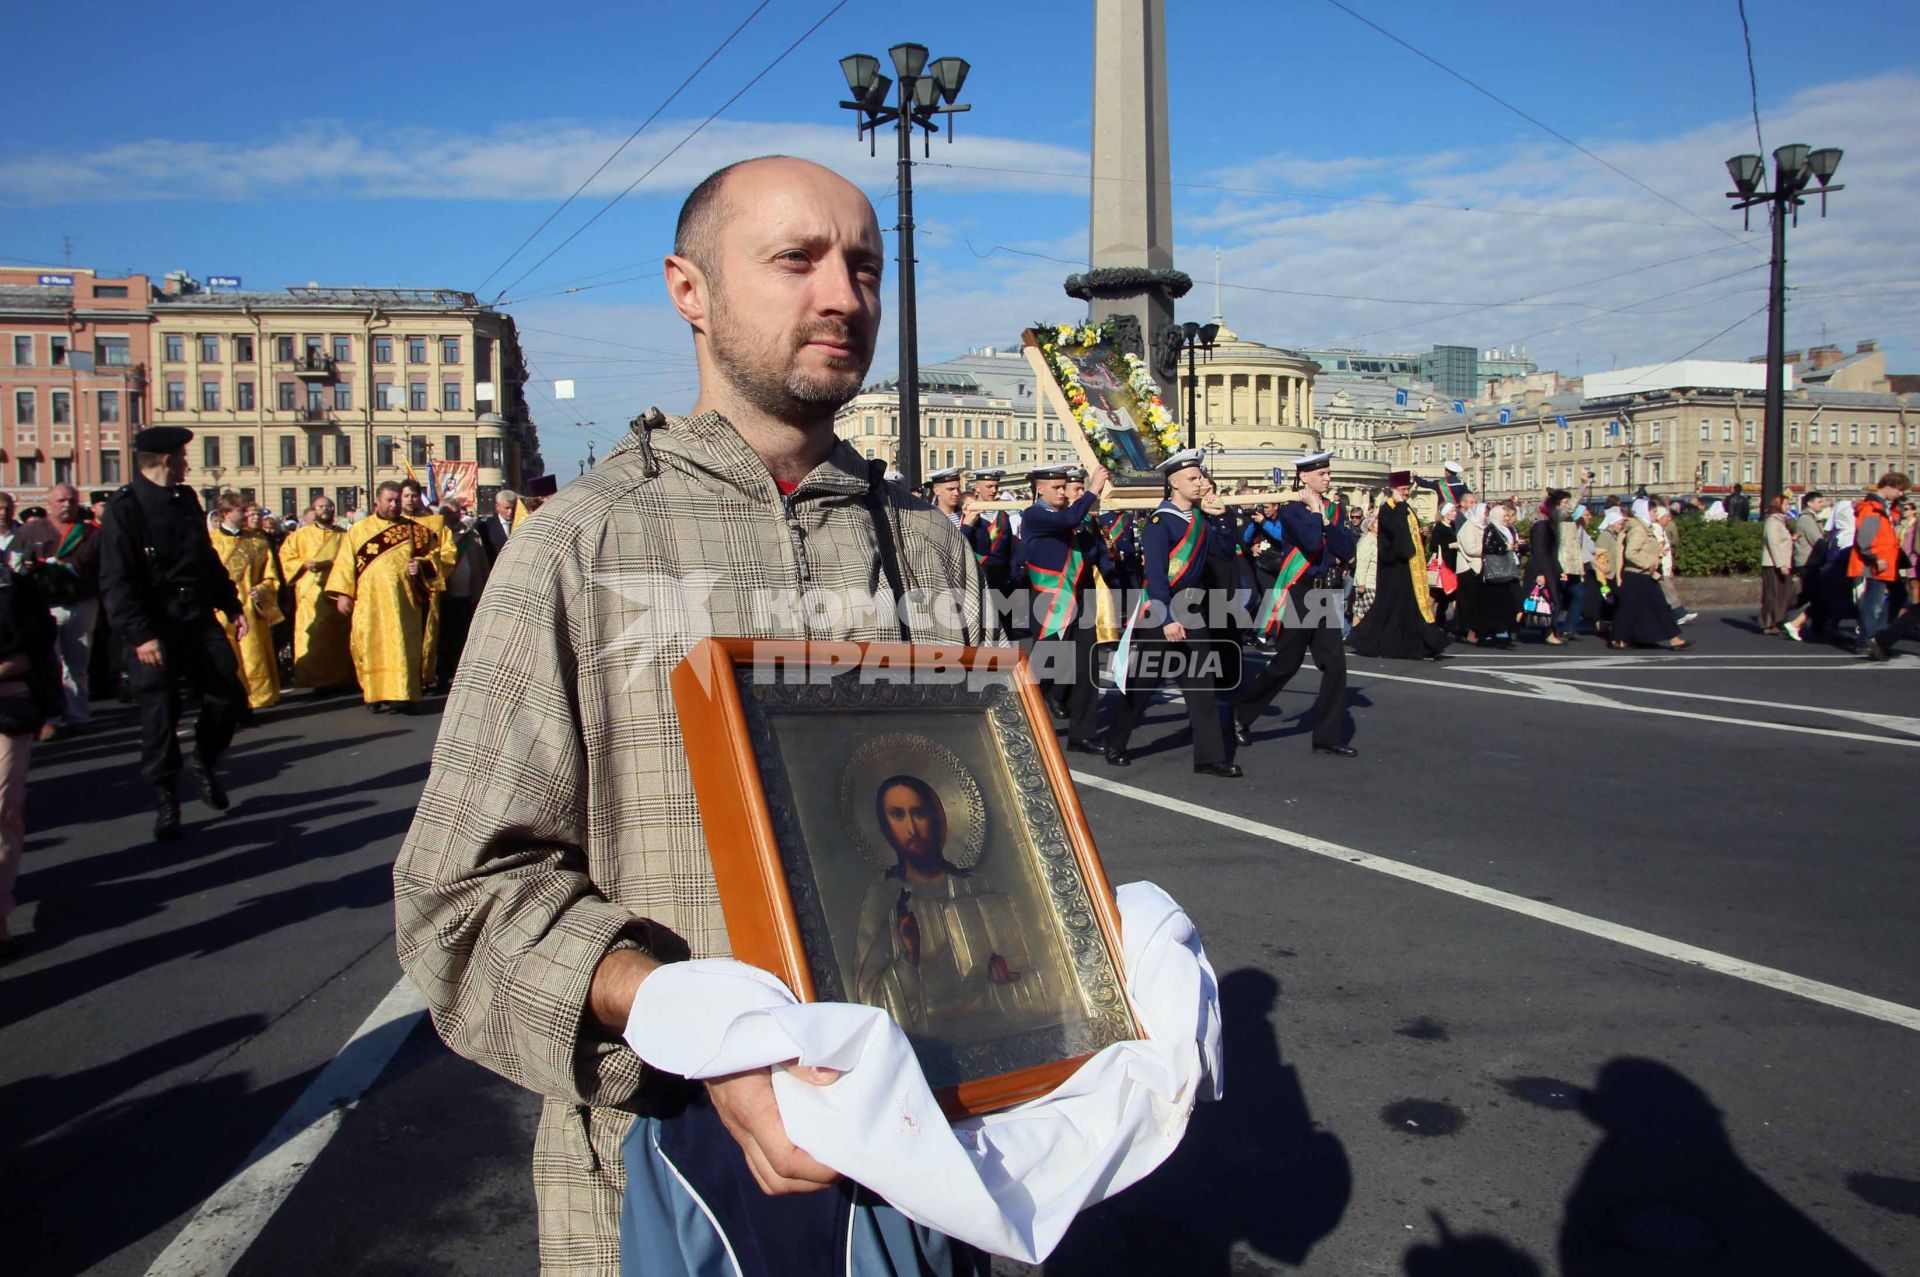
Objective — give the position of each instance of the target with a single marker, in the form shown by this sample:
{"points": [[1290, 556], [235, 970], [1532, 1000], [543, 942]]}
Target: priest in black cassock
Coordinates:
{"points": [[1400, 622]]}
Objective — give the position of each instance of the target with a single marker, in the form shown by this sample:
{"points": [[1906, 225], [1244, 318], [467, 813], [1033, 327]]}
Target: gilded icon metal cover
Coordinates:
{"points": [[931, 872]]}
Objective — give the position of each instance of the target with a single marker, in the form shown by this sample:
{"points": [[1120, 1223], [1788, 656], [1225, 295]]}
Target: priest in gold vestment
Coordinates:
{"points": [[320, 633], [248, 558], [383, 583], [434, 543]]}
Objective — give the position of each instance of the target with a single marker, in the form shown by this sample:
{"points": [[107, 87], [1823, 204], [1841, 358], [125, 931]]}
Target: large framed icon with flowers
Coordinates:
{"points": [[1110, 396]]}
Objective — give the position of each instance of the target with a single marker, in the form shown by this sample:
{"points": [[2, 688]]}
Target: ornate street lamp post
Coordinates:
{"points": [[1794, 167], [922, 91], [1195, 337]]}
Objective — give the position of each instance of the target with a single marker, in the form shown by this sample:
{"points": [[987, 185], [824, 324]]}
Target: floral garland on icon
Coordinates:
{"points": [[1148, 409]]}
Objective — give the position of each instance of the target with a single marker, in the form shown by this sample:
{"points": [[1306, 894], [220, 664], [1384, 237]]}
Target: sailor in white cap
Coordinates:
{"points": [[1179, 538], [1057, 560], [1312, 549], [994, 535], [943, 489]]}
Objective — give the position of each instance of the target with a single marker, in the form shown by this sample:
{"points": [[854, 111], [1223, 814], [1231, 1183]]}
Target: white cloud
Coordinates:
{"points": [[530, 161]]}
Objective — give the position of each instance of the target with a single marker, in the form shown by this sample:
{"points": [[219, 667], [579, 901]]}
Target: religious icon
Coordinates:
{"points": [[911, 845], [1103, 390]]}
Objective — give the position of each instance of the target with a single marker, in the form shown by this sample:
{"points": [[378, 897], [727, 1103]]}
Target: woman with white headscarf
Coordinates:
{"points": [[1641, 616], [1500, 589], [1468, 541]]}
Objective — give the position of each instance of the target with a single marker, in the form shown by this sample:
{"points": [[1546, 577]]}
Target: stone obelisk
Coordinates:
{"points": [[1131, 224]]}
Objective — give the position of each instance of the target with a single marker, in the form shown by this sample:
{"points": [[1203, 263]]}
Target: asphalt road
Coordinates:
{"points": [[1419, 1081]]}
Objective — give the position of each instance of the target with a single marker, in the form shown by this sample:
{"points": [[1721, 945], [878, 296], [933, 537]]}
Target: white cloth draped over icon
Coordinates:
{"points": [[1010, 1182]]}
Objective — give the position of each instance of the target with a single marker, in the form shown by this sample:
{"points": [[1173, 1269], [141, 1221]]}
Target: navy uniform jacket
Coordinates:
{"points": [[1047, 536], [1124, 570], [994, 552], [1166, 528], [1321, 543]]}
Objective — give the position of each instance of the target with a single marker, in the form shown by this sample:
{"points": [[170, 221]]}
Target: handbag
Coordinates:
{"points": [[1536, 613], [1499, 567]]}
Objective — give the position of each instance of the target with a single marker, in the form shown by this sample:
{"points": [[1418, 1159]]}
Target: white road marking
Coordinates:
{"points": [[228, 1222], [1546, 689], [1892, 722], [1784, 981]]}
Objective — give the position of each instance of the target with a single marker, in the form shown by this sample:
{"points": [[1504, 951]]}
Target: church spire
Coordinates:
{"points": [[1216, 284]]}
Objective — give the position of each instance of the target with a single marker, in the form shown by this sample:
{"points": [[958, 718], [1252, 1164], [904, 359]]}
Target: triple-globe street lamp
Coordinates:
{"points": [[921, 91], [1794, 167]]}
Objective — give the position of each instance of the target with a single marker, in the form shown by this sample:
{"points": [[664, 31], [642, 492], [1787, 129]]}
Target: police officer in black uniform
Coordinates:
{"points": [[162, 584]]}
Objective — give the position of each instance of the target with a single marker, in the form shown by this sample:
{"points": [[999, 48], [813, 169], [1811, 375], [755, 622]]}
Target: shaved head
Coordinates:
{"points": [[705, 212]]}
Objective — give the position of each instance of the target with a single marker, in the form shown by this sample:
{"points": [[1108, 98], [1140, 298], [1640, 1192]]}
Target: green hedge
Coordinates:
{"points": [[1716, 549]]}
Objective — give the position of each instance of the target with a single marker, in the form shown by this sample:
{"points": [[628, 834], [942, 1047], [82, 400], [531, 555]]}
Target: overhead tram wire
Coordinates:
{"points": [[1753, 81], [1317, 195], [693, 133], [567, 202], [603, 341], [1538, 123]]}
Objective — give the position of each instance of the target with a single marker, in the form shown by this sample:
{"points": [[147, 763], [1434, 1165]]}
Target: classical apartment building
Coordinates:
{"points": [[314, 390], [73, 378], [977, 410], [1683, 427]]}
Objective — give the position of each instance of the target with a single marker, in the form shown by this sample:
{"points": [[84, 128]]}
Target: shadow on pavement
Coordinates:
{"points": [[1253, 1169], [1665, 1192], [1475, 1255]]}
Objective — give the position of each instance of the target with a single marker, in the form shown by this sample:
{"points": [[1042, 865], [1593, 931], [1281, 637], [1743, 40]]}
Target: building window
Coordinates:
{"points": [[316, 399], [1656, 432], [28, 472], [243, 350], [417, 449], [1606, 474], [109, 407], [210, 452], [62, 407], [289, 451], [57, 352], [176, 396], [869, 425], [1746, 431], [342, 349], [343, 396], [23, 351], [1706, 431], [342, 451], [1586, 437], [417, 396], [286, 396], [1853, 472], [1853, 433], [246, 459], [383, 350], [416, 350], [313, 495], [110, 466], [113, 352], [176, 348], [450, 396], [283, 348], [288, 497], [1833, 472], [63, 469], [1873, 436], [344, 499], [243, 396], [385, 396], [1793, 472], [1746, 470], [1726, 472], [1813, 432], [449, 350], [966, 430], [209, 396], [315, 346], [451, 452], [209, 348], [491, 453], [316, 449], [1793, 433], [383, 451]]}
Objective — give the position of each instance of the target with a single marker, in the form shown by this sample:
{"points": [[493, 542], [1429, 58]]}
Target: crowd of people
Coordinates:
{"points": [[143, 596]]}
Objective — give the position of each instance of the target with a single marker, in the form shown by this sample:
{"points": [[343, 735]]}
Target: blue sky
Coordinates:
{"points": [[417, 145]]}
